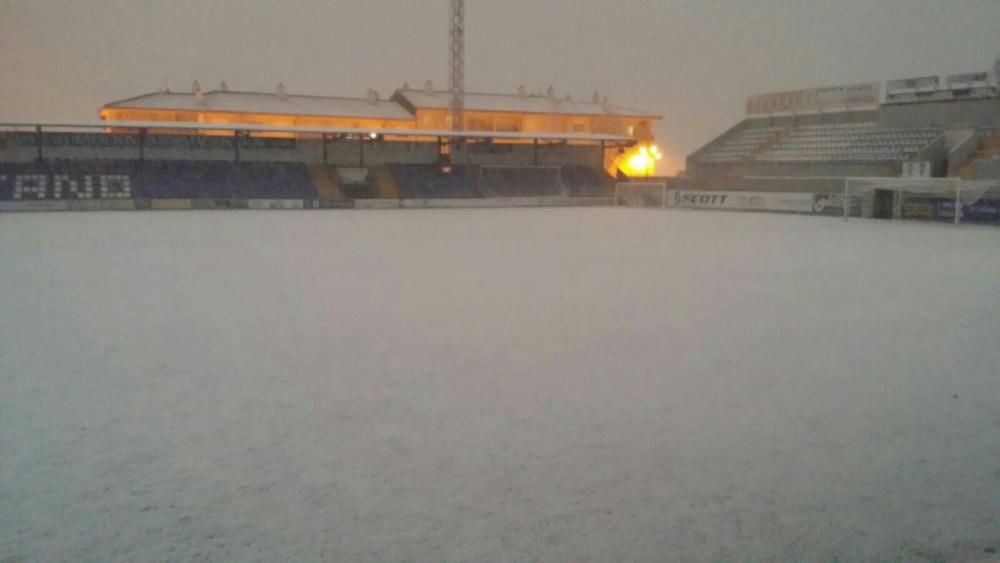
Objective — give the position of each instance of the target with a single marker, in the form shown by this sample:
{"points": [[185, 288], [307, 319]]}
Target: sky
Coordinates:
{"points": [[692, 62]]}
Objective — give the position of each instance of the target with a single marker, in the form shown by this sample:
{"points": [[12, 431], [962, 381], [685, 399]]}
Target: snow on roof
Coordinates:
{"points": [[267, 103], [352, 131], [515, 103], [297, 104]]}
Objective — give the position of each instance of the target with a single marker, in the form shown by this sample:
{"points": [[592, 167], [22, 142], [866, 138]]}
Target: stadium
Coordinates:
{"points": [[227, 149], [238, 149], [923, 139], [450, 325]]}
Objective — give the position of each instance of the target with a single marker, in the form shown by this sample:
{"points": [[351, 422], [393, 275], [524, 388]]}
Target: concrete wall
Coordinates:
{"points": [[814, 170], [828, 118], [269, 204], [536, 201], [818, 185], [947, 115], [988, 169]]}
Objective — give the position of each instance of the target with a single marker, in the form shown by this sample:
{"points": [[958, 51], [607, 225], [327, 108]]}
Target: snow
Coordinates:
{"points": [[510, 384], [268, 103], [513, 103]]}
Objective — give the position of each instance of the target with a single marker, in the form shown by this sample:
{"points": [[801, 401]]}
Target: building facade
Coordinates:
{"points": [[407, 108]]}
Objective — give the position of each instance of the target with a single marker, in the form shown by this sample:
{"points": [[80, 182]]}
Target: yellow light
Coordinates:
{"points": [[639, 162]]}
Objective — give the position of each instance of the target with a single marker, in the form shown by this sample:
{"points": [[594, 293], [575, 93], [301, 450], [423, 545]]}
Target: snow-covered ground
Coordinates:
{"points": [[516, 384]]}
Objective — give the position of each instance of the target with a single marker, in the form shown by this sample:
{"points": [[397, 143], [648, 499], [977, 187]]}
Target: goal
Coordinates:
{"points": [[934, 199], [502, 180], [641, 194]]}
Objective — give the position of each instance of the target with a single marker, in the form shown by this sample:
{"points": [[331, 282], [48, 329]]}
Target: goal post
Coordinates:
{"points": [[641, 194], [515, 180], [952, 199], [936, 199]]}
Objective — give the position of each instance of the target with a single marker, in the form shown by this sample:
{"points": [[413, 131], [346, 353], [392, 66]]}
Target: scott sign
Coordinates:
{"points": [[684, 198], [761, 201]]}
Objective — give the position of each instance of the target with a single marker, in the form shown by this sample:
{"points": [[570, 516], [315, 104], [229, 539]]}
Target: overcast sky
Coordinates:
{"points": [[693, 62]]}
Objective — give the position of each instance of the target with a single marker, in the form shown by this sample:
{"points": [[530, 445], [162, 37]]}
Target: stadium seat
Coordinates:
{"points": [[740, 145], [860, 142], [586, 181], [426, 181]]}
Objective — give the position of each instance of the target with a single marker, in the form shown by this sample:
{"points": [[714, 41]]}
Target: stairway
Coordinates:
{"points": [[989, 147], [325, 182], [737, 170], [385, 183]]}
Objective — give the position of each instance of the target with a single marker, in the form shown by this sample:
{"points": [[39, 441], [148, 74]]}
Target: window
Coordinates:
{"points": [[478, 124], [508, 123]]}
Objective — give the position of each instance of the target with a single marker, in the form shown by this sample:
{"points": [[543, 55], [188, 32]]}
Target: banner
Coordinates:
{"points": [[832, 98], [982, 211], [968, 80], [833, 204], [762, 201], [907, 85], [916, 169], [275, 204], [90, 140], [65, 186], [152, 141]]}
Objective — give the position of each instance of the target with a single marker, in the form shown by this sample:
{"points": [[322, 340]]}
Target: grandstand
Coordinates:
{"points": [[930, 147], [949, 125], [234, 149], [407, 109], [233, 166], [741, 145], [848, 142]]}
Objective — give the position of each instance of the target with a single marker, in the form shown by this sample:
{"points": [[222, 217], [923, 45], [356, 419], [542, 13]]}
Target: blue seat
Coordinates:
{"points": [[426, 181], [160, 179]]}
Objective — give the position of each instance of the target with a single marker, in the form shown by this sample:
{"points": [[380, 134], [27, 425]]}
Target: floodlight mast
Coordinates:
{"points": [[457, 63]]}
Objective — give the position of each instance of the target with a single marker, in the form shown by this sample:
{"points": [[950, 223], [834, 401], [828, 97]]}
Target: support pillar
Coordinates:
{"points": [[846, 204], [958, 201]]}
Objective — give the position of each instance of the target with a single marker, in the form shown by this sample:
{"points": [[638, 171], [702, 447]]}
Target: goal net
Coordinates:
{"points": [[500, 180], [641, 194], [935, 199]]}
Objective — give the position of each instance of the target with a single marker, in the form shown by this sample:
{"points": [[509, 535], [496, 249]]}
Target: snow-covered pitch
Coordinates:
{"points": [[516, 384]]}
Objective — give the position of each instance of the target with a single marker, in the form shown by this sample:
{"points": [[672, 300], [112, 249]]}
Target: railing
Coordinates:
{"points": [[696, 155], [961, 152], [933, 151]]}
